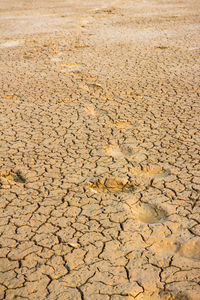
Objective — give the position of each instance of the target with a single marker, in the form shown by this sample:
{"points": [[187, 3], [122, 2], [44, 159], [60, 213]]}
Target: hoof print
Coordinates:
{"points": [[168, 295], [114, 151], [191, 249], [113, 185], [11, 176], [149, 214], [151, 172]]}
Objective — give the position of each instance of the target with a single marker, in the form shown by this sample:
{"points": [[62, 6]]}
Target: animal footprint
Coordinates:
{"points": [[164, 246], [128, 150], [90, 110], [114, 151], [113, 185], [191, 249], [122, 123], [149, 214], [150, 172], [9, 176], [163, 295]]}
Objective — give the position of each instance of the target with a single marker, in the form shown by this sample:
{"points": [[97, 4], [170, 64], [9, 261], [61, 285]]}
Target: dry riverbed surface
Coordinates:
{"points": [[99, 141]]}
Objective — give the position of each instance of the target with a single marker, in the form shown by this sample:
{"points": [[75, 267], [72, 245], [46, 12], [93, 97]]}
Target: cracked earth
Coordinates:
{"points": [[99, 142]]}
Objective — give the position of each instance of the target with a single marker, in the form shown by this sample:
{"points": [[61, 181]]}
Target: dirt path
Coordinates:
{"points": [[99, 141]]}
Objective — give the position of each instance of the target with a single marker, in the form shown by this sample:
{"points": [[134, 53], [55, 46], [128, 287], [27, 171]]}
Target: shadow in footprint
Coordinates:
{"points": [[12, 175]]}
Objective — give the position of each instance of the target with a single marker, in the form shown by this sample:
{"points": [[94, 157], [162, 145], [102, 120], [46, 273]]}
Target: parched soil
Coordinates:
{"points": [[99, 142]]}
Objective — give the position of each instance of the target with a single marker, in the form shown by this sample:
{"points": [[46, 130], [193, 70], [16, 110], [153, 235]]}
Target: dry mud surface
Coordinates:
{"points": [[99, 141]]}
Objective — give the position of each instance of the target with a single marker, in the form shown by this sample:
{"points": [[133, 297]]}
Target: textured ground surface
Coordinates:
{"points": [[99, 144]]}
